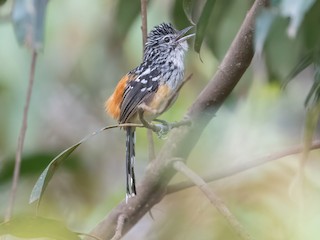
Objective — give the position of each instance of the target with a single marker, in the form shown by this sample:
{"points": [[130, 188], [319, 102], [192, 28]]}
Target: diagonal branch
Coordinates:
{"points": [[181, 141], [230, 171], [213, 198]]}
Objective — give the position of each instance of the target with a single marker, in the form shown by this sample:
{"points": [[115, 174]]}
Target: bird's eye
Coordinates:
{"points": [[166, 39]]}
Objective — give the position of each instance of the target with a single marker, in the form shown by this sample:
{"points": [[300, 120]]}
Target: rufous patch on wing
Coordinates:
{"points": [[112, 105]]}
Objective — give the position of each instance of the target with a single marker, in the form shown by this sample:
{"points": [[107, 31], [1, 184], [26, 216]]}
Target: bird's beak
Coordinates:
{"points": [[181, 34]]}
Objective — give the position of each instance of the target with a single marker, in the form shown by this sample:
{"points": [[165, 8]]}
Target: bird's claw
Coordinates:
{"points": [[163, 129]]}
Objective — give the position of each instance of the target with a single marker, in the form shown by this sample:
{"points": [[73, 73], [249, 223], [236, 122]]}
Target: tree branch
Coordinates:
{"points": [[21, 138], [230, 171], [213, 198], [181, 141]]}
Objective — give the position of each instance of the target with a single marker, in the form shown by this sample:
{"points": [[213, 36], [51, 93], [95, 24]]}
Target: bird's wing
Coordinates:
{"points": [[137, 91]]}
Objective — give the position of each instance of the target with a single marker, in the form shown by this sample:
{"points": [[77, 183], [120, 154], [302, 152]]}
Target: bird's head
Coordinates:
{"points": [[164, 38]]}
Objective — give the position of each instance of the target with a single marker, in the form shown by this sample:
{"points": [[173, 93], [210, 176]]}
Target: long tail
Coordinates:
{"points": [[130, 158]]}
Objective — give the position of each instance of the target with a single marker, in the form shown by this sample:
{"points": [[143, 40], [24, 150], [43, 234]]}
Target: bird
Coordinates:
{"points": [[150, 89]]}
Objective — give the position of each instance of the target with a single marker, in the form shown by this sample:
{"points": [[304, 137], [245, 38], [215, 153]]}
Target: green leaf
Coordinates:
{"points": [[28, 19], [296, 11], [281, 53], [224, 23], [202, 24], [187, 8], [311, 21], [37, 227], [263, 25], [126, 13], [303, 63], [2, 2], [31, 165], [46, 175], [178, 15]]}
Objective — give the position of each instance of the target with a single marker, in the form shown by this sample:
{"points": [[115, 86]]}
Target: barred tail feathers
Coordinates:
{"points": [[130, 159]]}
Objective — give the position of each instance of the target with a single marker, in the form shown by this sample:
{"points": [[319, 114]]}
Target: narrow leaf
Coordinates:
{"points": [[178, 15], [303, 63], [315, 89], [202, 24], [219, 39], [2, 2], [187, 8], [311, 19], [126, 13], [46, 175], [310, 126], [37, 227], [28, 19]]}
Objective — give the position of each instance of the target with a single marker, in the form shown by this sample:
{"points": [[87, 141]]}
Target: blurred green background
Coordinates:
{"points": [[88, 46]]}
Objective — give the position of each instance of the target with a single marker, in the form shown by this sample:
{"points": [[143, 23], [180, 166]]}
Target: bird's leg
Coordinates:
{"points": [[160, 129], [161, 121], [145, 122], [164, 127], [185, 122]]}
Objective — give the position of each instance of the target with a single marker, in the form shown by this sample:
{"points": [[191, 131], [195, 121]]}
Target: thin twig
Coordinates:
{"points": [[230, 171], [214, 199], [123, 125], [144, 28], [187, 79], [118, 234], [151, 151], [21, 138], [144, 22], [184, 122]]}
